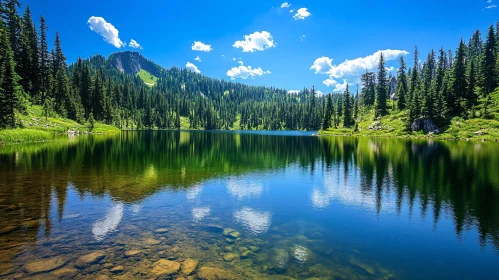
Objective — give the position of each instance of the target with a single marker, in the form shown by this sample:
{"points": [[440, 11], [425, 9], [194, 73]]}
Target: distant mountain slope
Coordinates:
{"points": [[133, 63]]}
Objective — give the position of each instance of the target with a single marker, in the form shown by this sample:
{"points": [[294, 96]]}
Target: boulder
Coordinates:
{"points": [[45, 265], [165, 267], [161, 230], [89, 259], [211, 273], [230, 257], [424, 124], [188, 266]]}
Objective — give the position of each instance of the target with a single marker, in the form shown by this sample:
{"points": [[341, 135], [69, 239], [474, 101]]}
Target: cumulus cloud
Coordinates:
{"points": [[337, 86], [198, 59], [323, 65], [134, 44], [491, 6], [240, 62], [201, 47], [245, 72], [319, 93], [291, 11], [106, 30], [257, 41], [302, 13], [285, 5], [192, 67]]}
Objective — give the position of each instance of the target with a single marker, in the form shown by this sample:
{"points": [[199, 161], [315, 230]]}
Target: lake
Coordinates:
{"points": [[236, 205]]}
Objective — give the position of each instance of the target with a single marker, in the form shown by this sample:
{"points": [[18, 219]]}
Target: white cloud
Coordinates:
{"points": [[106, 30], [493, 6], [294, 91], [134, 44], [285, 5], [338, 87], [245, 72], [302, 13], [242, 189], [240, 62], [200, 213], [353, 67], [257, 41], [223, 55], [199, 46], [319, 93], [198, 59], [192, 67], [234, 59], [302, 37], [291, 11], [322, 65]]}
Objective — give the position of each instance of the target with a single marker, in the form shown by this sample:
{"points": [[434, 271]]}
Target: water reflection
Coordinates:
{"points": [[109, 223], [200, 213], [243, 189], [257, 222], [401, 184]]}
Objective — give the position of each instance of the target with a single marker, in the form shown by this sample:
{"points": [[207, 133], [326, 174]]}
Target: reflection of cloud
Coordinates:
{"points": [[244, 190], [135, 208], [110, 222], [255, 221], [320, 199], [348, 195], [300, 254], [199, 213], [193, 192]]}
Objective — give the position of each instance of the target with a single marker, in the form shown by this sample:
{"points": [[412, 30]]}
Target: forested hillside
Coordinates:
{"points": [[128, 91], [446, 93], [112, 90]]}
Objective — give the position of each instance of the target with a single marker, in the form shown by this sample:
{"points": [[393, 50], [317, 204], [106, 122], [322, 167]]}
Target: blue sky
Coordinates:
{"points": [[291, 47]]}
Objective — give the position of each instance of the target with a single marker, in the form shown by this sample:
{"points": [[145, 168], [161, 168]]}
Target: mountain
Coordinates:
{"points": [[133, 63]]}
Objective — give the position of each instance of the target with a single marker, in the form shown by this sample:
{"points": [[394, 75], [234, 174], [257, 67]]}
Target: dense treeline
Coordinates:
{"points": [[429, 94], [90, 90]]}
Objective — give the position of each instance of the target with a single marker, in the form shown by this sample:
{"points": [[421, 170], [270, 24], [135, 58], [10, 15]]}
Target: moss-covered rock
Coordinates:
{"points": [[165, 267], [45, 265], [211, 273], [188, 266]]}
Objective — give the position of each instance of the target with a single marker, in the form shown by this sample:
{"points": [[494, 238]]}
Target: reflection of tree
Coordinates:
{"points": [[457, 176]]}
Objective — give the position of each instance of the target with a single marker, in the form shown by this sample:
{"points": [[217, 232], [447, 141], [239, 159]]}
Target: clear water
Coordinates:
{"points": [[250, 205]]}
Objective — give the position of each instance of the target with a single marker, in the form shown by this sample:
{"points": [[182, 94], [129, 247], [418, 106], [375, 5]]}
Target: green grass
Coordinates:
{"points": [[34, 127], [393, 125], [147, 77], [184, 123]]}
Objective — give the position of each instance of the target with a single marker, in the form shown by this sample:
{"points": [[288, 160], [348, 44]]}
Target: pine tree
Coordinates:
{"points": [[13, 25], [10, 91], [402, 89], [27, 64], [382, 89], [415, 80], [347, 109], [459, 81], [488, 79], [44, 56], [368, 89], [428, 90], [98, 96], [326, 121], [470, 95]]}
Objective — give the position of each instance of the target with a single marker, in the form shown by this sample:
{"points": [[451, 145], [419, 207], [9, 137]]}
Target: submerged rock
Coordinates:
{"points": [[65, 272], [165, 267], [161, 230], [234, 234], [152, 241], [45, 265], [118, 269], [188, 266], [133, 252], [254, 248], [280, 259], [89, 259], [230, 257], [211, 273]]}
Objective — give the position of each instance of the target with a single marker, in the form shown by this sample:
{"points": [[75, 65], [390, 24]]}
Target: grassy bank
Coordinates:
{"points": [[34, 127], [393, 126]]}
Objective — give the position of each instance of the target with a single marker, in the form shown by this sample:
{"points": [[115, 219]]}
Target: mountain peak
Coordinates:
{"points": [[132, 62]]}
